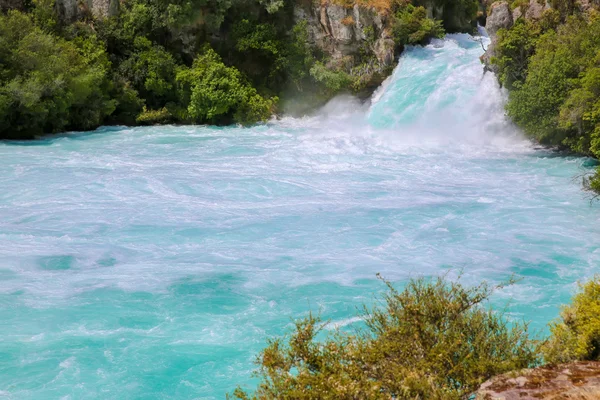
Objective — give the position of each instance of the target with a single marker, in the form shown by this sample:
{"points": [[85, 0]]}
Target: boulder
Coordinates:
{"points": [[535, 10], [517, 13], [500, 17]]}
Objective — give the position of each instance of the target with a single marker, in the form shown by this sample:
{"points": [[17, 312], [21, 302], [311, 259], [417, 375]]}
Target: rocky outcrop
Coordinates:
{"points": [[345, 32], [500, 16], [587, 5], [575, 381], [535, 10], [71, 10]]}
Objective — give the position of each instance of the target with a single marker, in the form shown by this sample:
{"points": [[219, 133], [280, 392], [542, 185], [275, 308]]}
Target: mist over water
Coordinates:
{"points": [[154, 262]]}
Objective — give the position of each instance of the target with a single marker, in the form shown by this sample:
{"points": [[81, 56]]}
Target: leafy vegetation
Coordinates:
{"points": [[551, 67], [413, 27], [434, 339], [576, 335], [49, 84], [217, 93], [185, 61]]}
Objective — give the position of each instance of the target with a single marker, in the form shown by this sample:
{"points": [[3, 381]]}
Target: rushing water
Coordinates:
{"points": [[153, 262]]}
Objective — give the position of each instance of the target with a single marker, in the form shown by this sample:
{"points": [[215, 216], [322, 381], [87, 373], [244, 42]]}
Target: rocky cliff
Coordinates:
{"points": [[500, 16], [344, 33]]}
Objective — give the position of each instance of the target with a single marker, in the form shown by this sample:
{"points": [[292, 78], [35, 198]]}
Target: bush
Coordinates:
{"points": [[576, 335], [557, 103], [48, 84], [299, 56], [215, 93], [154, 117], [514, 48], [334, 81], [412, 26], [260, 52], [151, 70], [459, 15], [432, 340]]}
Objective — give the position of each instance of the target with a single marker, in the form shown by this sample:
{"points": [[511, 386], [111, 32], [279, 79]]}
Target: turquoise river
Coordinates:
{"points": [[153, 263]]}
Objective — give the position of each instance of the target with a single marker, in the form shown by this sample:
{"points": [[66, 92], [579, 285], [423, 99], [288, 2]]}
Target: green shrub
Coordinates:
{"points": [[459, 15], [514, 48], [576, 335], [151, 70], [435, 339], [154, 117], [411, 26], [214, 92], [128, 103], [557, 102], [299, 56], [334, 81], [48, 84], [592, 183], [261, 51]]}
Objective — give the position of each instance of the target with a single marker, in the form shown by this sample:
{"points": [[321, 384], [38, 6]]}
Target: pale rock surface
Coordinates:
{"points": [[574, 381]]}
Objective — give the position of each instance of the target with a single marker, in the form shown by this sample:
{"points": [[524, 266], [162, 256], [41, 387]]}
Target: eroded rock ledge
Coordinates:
{"points": [[574, 381]]}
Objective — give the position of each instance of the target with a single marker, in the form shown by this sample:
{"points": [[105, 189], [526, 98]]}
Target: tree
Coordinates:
{"points": [[576, 334], [213, 92], [48, 84], [432, 340]]}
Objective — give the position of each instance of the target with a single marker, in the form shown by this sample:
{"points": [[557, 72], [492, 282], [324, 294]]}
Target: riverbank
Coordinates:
{"points": [[544, 54], [147, 62]]}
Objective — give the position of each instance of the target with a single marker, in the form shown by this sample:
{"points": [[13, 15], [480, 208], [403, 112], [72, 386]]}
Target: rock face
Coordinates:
{"points": [[575, 381], [500, 17], [535, 10], [71, 10], [586, 5], [342, 32]]}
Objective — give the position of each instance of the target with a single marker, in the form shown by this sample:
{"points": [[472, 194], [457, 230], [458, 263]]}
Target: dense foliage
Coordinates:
{"points": [[184, 61], [576, 335], [413, 27], [48, 84], [214, 91], [552, 68], [434, 339], [155, 62]]}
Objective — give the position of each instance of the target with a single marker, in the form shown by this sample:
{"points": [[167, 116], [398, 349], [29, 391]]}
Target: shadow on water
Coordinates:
{"points": [[548, 152], [48, 140]]}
